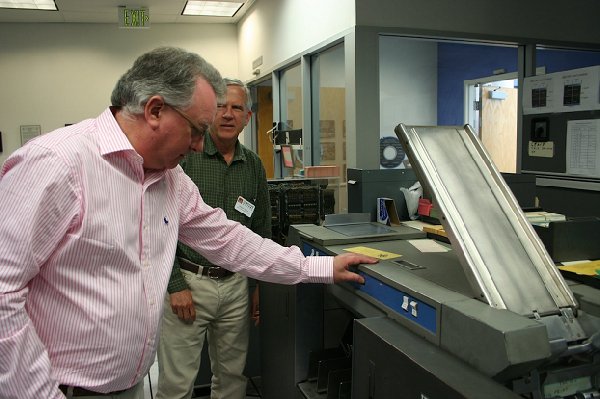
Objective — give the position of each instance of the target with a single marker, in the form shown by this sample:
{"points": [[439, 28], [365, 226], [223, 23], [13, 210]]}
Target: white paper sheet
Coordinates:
{"points": [[427, 245], [583, 147]]}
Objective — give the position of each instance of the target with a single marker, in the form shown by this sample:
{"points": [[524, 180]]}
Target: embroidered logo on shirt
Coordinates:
{"points": [[166, 220]]}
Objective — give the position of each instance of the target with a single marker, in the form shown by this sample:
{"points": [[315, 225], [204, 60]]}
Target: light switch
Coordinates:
{"points": [[405, 303], [413, 308]]}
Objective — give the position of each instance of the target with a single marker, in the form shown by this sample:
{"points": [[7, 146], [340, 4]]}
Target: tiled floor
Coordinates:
{"points": [[151, 381]]}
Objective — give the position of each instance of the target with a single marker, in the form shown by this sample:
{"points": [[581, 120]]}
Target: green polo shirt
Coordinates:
{"points": [[220, 186]]}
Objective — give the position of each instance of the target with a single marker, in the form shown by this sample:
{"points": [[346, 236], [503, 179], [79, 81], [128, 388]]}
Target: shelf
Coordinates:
{"points": [[300, 178], [277, 147]]}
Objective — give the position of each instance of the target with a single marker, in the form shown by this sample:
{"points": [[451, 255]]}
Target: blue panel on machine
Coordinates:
{"points": [[309, 250], [403, 304]]}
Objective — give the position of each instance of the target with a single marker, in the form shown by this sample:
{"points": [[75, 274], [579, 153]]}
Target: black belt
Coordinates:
{"points": [[80, 392], [213, 272]]}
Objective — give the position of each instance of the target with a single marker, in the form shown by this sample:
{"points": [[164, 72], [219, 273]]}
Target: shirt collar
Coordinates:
{"points": [[211, 150], [110, 136]]}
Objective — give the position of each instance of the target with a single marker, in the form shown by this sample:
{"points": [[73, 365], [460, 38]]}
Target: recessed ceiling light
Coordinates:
{"points": [[29, 4], [212, 8]]}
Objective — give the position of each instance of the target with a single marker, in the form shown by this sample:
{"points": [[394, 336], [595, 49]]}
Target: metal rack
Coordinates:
{"points": [[298, 202]]}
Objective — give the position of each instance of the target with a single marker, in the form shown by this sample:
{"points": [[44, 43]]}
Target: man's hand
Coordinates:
{"points": [[342, 262], [183, 305]]}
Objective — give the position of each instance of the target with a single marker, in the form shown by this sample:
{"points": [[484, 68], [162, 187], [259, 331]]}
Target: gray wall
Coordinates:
{"points": [[54, 74], [542, 21]]}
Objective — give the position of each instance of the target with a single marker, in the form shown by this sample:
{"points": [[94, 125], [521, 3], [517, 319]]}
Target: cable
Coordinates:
{"points": [[150, 384]]}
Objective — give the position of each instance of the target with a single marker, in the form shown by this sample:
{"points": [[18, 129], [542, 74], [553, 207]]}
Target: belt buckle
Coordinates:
{"points": [[215, 275]]}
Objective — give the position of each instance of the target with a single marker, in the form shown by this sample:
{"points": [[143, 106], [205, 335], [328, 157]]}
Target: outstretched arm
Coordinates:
{"points": [[341, 264]]}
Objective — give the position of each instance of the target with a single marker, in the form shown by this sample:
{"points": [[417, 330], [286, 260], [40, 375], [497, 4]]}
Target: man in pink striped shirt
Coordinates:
{"points": [[91, 214]]}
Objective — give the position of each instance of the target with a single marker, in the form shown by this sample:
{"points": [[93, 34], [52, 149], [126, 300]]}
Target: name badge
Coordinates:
{"points": [[244, 206]]}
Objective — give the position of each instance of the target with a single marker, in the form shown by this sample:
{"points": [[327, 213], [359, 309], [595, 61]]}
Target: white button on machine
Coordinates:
{"points": [[413, 308], [405, 303]]}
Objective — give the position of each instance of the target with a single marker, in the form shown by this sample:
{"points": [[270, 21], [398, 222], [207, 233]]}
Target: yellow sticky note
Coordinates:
{"points": [[372, 252], [586, 268]]}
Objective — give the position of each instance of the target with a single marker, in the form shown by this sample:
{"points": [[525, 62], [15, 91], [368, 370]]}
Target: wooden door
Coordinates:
{"points": [[264, 119], [499, 126]]}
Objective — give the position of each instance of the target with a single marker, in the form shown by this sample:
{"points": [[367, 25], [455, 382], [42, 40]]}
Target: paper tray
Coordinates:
{"points": [[504, 260]]}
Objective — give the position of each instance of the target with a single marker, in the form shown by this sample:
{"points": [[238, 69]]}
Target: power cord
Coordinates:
{"points": [[150, 385]]}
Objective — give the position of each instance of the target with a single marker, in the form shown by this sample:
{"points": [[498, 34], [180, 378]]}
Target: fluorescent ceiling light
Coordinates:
{"points": [[212, 8], [29, 4]]}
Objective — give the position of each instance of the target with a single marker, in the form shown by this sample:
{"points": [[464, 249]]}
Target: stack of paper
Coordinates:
{"points": [[544, 218]]}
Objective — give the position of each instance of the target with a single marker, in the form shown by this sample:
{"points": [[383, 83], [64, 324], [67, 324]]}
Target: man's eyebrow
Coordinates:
{"points": [[233, 104]]}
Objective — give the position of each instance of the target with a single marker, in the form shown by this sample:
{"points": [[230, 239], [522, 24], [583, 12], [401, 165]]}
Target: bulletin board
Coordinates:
{"points": [[564, 144], [561, 124]]}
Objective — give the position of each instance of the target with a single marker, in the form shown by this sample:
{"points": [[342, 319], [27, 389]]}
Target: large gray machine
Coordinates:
{"points": [[492, 317], [507, 267]]}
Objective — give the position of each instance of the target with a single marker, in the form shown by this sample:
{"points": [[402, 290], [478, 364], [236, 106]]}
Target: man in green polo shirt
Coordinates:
{"points": [[206, 300]]}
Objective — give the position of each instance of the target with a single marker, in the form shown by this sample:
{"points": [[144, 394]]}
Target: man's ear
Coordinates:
{"points": [[248, 117], [153, 111]]}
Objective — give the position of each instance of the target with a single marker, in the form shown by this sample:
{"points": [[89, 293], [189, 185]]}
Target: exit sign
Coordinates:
{"points": [[134, 17]]}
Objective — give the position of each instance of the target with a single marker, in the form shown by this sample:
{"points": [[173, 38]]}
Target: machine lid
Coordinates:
{"points": [[503, 258], [355, 225]]}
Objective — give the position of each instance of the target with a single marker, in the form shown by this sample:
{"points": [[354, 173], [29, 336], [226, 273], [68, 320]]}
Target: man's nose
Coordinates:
{"points": [[227, 114], [197, 143]]}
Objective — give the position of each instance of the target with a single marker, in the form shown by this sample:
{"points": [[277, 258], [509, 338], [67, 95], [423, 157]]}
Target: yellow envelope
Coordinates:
{"points": [[585, 268], [372, 252]]}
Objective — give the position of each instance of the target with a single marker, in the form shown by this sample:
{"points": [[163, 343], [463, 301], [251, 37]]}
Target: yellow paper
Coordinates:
{"points": [[586, 268], [372, 252]]}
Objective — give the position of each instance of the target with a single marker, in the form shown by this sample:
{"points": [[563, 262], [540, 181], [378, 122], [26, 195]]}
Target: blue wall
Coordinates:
{"points": [[460, 62], [563, 60]]}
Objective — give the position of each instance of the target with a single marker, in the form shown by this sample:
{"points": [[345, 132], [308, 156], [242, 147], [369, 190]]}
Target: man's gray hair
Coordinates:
{"points": [[237, 82], [169, 72]]}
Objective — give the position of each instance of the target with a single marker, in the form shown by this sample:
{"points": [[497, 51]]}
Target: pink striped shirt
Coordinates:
{"points": [[87, 241]]}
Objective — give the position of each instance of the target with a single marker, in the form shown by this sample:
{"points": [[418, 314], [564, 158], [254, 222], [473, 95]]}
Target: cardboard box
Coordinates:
{"points": [[322, 171]]}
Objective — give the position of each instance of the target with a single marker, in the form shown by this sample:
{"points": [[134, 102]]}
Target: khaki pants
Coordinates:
{"points": [[222, 315]]}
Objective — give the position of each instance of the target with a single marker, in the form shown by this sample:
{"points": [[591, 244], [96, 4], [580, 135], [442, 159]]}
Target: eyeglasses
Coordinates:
{"points": [[198, 131]]}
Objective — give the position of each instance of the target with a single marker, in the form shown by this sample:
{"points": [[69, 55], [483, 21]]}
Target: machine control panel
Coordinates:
{"points": [[401, 303]]}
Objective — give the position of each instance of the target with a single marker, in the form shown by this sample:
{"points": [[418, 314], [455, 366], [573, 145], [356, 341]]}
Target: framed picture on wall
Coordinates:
{"points": [[327, 128], [328, 151], [29, 132], [286, 152]]}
